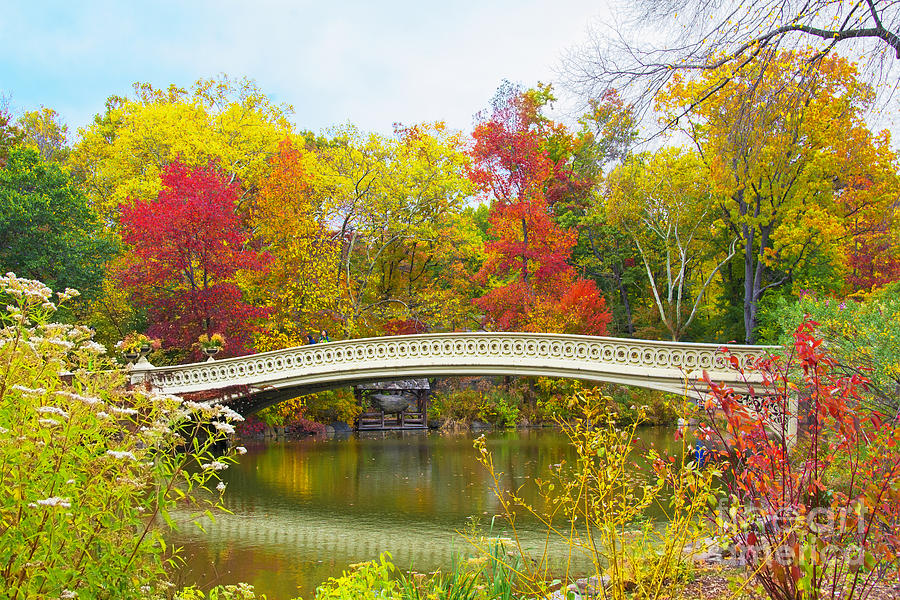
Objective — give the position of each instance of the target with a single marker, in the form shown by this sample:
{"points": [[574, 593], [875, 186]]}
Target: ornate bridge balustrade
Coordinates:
{"points": [[270, 377]]}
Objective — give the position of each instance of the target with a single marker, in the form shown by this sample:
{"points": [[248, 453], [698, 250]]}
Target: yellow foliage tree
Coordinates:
{"points": [[121, 154], [299, 287], [772, 139], [396, 207], [663, 202]]}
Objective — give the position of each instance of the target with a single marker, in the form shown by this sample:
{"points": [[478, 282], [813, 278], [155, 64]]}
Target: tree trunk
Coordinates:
{"points": [[626, 304], [749, 279]]}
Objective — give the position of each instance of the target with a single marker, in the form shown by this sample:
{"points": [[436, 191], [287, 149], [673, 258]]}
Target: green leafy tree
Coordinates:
{"points": [[663, 202], [48, 230]]}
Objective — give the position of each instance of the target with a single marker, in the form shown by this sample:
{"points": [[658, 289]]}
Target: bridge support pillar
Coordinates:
{"points": [[139, 372]]}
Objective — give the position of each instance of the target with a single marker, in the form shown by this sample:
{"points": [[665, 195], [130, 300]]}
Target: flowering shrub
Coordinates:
{"points": [[301, 426], [815, 514], [88, 469], [252, 426], [209, 342], [135, 342]]}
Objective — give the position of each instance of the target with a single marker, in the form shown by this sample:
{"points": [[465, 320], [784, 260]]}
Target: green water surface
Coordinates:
{"points": [[305, 510]]}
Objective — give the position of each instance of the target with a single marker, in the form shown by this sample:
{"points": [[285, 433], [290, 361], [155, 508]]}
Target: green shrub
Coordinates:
{"points": [[500, 407], [89, 472], [241, 591], [458, 405], [331, 405], [598, 503], [373, 579], [862, 334], [628, 404], [482, 578], [497, 406]]}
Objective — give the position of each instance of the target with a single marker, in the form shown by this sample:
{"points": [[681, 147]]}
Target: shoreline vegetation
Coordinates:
{"points": [[201, 222], [78, 445], [474, 403]]}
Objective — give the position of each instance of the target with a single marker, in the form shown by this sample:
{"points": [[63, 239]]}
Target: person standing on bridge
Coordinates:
{"points": [[309, 338], [324, 337]]}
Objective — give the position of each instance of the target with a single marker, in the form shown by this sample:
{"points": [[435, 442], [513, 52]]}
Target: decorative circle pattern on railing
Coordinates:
{"points": [[582, 353]]}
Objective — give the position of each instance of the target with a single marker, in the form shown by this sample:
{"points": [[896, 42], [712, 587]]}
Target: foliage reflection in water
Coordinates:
{"points": [[305, 510]]}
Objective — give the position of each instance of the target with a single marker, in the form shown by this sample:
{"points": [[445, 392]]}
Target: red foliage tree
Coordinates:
{"points": [[527, 262], [873, 248], [187, 244]]}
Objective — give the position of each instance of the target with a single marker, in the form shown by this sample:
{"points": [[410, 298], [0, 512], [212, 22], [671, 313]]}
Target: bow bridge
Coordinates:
{"points": [[271, 377]]}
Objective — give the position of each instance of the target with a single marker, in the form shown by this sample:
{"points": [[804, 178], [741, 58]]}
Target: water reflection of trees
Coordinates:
{"points": [[430, 476]]}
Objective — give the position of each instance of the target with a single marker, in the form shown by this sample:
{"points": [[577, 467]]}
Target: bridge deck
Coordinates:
{"points": [[271, 377]]}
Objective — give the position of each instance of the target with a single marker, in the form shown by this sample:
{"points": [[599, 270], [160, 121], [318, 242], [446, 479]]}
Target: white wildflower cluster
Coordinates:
{"points": [[55, 329], [157, 430], [122, 411], [210, 410], [28, 390], [221, 487], [121, 455], [166, 398], [204, 408], [68, 294], [86, 400], [240, 450], [227, 413], [61, 344], [67, 595], [92, 347], [226, 428], [49, 422], [28, 289], [214, 466], [53, 410], [52, 501]]}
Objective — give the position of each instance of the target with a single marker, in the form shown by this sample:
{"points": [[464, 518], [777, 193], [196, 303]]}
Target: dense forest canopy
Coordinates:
{"points": [[205, 210]]}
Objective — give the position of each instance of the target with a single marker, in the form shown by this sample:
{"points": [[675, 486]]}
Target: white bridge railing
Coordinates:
{"points": [[669, 366]]}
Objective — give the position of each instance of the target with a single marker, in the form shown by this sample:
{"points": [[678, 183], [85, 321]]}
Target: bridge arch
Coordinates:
{"points": [[272, 377]]}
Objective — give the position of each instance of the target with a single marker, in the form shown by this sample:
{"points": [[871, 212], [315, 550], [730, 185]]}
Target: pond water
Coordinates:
{"points": [[305, 510]]}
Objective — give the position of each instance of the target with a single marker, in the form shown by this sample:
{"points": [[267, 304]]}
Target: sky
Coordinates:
{"points": [[370, 63]]}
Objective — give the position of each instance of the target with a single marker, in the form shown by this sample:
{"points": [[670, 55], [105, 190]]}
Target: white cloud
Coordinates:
{"points": [[372, 63]]}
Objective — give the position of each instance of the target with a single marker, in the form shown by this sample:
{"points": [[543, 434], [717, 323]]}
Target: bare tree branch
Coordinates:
{"points": [[655, 39]]}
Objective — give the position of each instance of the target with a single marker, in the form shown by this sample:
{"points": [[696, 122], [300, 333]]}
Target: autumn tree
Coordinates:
{"points": [[727, 38], [48, 230], [774, 163], [531, 286], [187, 245], [288, 217], [664, 203], [608, 131], [44, 131], [394, 205], [867, 199], [10, 134], [121, 154]]}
